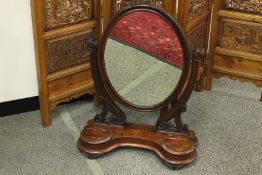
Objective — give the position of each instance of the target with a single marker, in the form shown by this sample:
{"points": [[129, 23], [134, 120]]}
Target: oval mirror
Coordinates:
{"points": [[143, 58], [142, 61]]}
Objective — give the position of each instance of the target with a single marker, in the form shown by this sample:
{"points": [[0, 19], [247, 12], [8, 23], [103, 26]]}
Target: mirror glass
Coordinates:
{"points": [[143, 58]]}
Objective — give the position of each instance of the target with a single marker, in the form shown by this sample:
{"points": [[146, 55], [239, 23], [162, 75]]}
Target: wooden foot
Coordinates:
{"points": [[175, 150], [261, 97], [47, 122], [209, 71], [46, 118]]}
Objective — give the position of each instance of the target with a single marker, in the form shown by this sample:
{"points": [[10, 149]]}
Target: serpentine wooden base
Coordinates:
{"points": [[175, 150]]}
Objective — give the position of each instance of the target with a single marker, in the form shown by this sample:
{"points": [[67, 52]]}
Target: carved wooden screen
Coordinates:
{"points": [[110, 7], [236, 41], [194, 17], [61, 31]]}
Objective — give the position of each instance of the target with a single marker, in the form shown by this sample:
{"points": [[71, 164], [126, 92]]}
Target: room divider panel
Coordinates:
{"points": [[236, 41], [194, 17], [61, 31], [110, 7], [62, 28]]}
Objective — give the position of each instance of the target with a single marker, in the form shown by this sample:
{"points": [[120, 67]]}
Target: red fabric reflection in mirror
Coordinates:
{"points": [[151, 34]]}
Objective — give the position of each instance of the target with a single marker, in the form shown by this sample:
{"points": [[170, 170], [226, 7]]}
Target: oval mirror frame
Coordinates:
{"points": [[183, 42], [170, 139]]}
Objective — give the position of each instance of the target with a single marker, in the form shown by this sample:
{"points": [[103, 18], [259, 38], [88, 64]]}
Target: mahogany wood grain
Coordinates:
{"points": [[175, 150]]}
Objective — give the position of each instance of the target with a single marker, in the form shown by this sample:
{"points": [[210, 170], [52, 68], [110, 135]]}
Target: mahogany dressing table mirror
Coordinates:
{"points": [[142, 62]]}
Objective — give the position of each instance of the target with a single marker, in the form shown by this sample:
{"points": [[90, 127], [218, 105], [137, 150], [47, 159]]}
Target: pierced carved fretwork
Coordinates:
{"points": [[118, 4], [198, 38], [61, 12], [67, 52], [243, 37], [253, 6], [171, 127], [197, 7]]}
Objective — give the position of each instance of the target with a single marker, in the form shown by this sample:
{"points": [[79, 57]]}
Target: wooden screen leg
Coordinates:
{"points": [[46, 118], [209, 83], [261, 97], [199, 86], [200, 79], [209, 75]]}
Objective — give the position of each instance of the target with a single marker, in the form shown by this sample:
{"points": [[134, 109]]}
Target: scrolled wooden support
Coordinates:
{"points": [[180, 106], [118, 116]]}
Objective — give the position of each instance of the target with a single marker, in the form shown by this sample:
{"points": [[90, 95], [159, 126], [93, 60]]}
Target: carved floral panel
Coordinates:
{"points": [[241, 36], [198, 38], [253, 6], [197, 7], [118, 4], [61, 12], [68, 51]]}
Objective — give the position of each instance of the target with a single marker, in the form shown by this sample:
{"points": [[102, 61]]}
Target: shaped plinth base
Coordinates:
{"points": [[175, 150]]}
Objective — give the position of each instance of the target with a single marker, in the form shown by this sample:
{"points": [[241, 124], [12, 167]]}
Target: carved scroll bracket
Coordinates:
{"points": [[118, 116], [165, 122]]}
